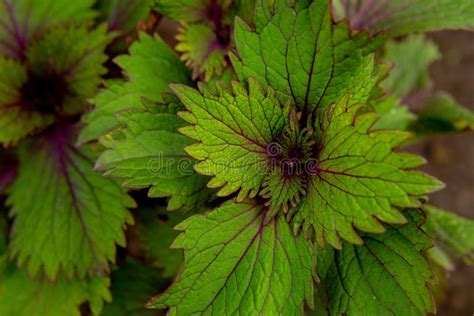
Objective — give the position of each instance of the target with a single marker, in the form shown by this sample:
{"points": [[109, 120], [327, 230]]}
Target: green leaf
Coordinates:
{"points": [[123, 15], [81, 68], [360, 180], [442, 114], [400, 17], [155, 230], [303, 56], [454, 233], [186, 10], [148, 151], [235, 262], [70, 75], [411, 59], [387, 275], [393, 115], [132, 285], [150, 68], [22, 296], [13, 76], [200, 50], [233, 130], [21, 21], [68, 218]]}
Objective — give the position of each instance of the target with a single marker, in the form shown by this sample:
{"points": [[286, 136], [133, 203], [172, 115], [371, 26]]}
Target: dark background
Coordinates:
{"points": [[451, 158]]}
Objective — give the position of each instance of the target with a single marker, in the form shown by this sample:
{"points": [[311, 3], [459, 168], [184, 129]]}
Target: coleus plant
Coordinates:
{"points": [[269, 138]]}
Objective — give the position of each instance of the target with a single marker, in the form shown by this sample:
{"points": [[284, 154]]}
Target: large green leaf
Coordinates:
{"points": [[150, 68], [68, 218], [149, 151], [22, 296], [233, 130], [452, 232], [400, 17], [22, 21], [387, 275], [303, 56], [360, 179], [237, 263]]}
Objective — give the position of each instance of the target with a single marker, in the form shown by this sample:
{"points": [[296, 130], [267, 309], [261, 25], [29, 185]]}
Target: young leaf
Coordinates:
{"points": [[149, 151], [150, 68], [235, 262], [442, 114], [387, 275], [234, 131], [22, 296], [67, 217], [453, 232], [201, 50], [411, 59], [132, 284], [400, 17], [21, 21], [303, 56], [359, 180], [156, 231], [54, 81]]}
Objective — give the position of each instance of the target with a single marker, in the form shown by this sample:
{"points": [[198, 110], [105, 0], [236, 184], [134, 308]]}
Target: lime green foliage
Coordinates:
{"points": [[387, 275], [233, 131], [300, 54], [442, 114], [410, 59], [22, 296], [68, 218], [156, 231], [453, 233], [149, 151], [360, 179], [72, 75], [150, 67], [235, 262], [393, 115], [400, 17], [21, 21], [132, 285], [356, 177], [201, 50]]}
